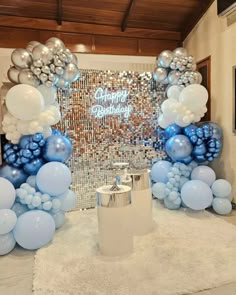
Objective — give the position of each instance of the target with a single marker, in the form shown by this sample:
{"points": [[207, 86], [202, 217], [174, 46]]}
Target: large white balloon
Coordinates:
{"points": [[174, 92], [24, 102], [49, 94]]}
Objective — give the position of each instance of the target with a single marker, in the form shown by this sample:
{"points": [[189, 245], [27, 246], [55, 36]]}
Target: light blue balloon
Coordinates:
{"points": [[159, 171], [204, 173], [196, 194], [178, 147], [222, 206], [7, 243], [173, 196], [19, 209], [7, 194], [53, 178], [8, 220], [159, 190], [34, 229], [31, 180], [68, 201], [221, 188], [59, 218], [171, 205], [182, 181]]}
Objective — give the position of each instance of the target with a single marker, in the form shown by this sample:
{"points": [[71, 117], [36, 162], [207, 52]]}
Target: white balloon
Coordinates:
{"points": [[49, 94], [47, 131], [174, 92], [24, 102], [164, 122]]}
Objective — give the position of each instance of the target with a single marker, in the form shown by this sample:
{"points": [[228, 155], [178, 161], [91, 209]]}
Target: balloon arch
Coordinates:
{"points": [[35, 181]]}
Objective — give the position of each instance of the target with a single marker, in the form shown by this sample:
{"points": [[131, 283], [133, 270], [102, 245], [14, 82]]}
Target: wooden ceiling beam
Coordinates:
{"points": [[59, 12], [83, 28], [128, 11]]}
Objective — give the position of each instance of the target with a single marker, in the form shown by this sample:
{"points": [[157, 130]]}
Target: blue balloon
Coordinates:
{"points": [[222, 206], [190, 130], [53, 178], [34, 229], [33, 167], [57, 148], [56, 132], [159, 171], [172, 130], [19, 209], [37, 137], [68, 201], [158, 190], [178, 147], [15, 175], [59, 218], [172, 205], [7, 243], [24, 141], [199, 132], [199, 150], [217, 131], [187, 160]]}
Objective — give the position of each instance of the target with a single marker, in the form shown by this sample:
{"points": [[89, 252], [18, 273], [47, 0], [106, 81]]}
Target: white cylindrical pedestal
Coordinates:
{"points": [[141, 195], [114, 210]]}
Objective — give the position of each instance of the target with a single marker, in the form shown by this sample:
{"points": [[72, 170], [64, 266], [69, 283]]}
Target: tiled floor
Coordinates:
{"points": [[16, 272]]}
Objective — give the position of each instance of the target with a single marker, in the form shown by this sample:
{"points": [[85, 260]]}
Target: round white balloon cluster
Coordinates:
{"points": [[176, 68], [190, 186], [183, 107], [51, 64]]}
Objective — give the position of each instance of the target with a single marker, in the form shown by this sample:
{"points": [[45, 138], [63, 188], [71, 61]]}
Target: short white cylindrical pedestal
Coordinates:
{"points": [[114, 210], [141, 195]]}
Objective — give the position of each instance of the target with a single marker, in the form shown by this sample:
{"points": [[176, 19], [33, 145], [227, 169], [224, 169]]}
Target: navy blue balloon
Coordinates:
{"points": [[199, 150], [33, 167], [24, 141], [57, 148], [15, 175], [178, 147], [172, 130]]}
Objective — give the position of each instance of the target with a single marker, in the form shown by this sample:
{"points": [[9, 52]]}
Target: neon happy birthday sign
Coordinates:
{"points": [[111, 103]]}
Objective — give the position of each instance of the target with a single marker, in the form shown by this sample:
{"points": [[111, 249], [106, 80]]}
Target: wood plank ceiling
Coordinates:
{"points": [[132, 27]]}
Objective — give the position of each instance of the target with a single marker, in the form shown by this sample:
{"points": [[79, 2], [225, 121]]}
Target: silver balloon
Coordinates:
{"points": [[49, 83], [165, 58], [27, 77], [55, 44], [38, 63], [21, 58], [159, 74], [37, 71], [43, 53], [58, 63], [43, 77], [74, 59], [63, 57], [63, 84], [173, 77], [59, 71], [198, 78], [52, 68], [13, 74], [30, 46], [180, 51], [46, 69], [173, 65], [71, 73]]}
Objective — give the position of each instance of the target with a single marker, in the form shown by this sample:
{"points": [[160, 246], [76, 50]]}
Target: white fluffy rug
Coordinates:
{"points": [[187, 252]]}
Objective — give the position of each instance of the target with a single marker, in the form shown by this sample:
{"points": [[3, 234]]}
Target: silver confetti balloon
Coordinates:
{"points": [[165, 58], [21, 58], [173, 77], [55, 44], [159, 74], [13, 74], [27, 77], [43, 53], [180, 51], [71, 73], [30, 46]]}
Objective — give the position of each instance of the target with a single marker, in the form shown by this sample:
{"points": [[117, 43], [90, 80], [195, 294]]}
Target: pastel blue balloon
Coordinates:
{"points": [[159, 171], [7, 194], [7, 243], [204, 173], [222, 206], [15, 175], [68, 201], [159, 190], [57, 148], [31, 180], [59, 218], [173, 196], [172, 205], [19, 209], [172, 130], [53, 178], [34, 229], [33, 166], [221, 188], [178, 147], [196, 194], [7, 221]]}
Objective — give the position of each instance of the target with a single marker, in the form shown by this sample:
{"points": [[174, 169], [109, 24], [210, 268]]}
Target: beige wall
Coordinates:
{"points": [[213, 37]]}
